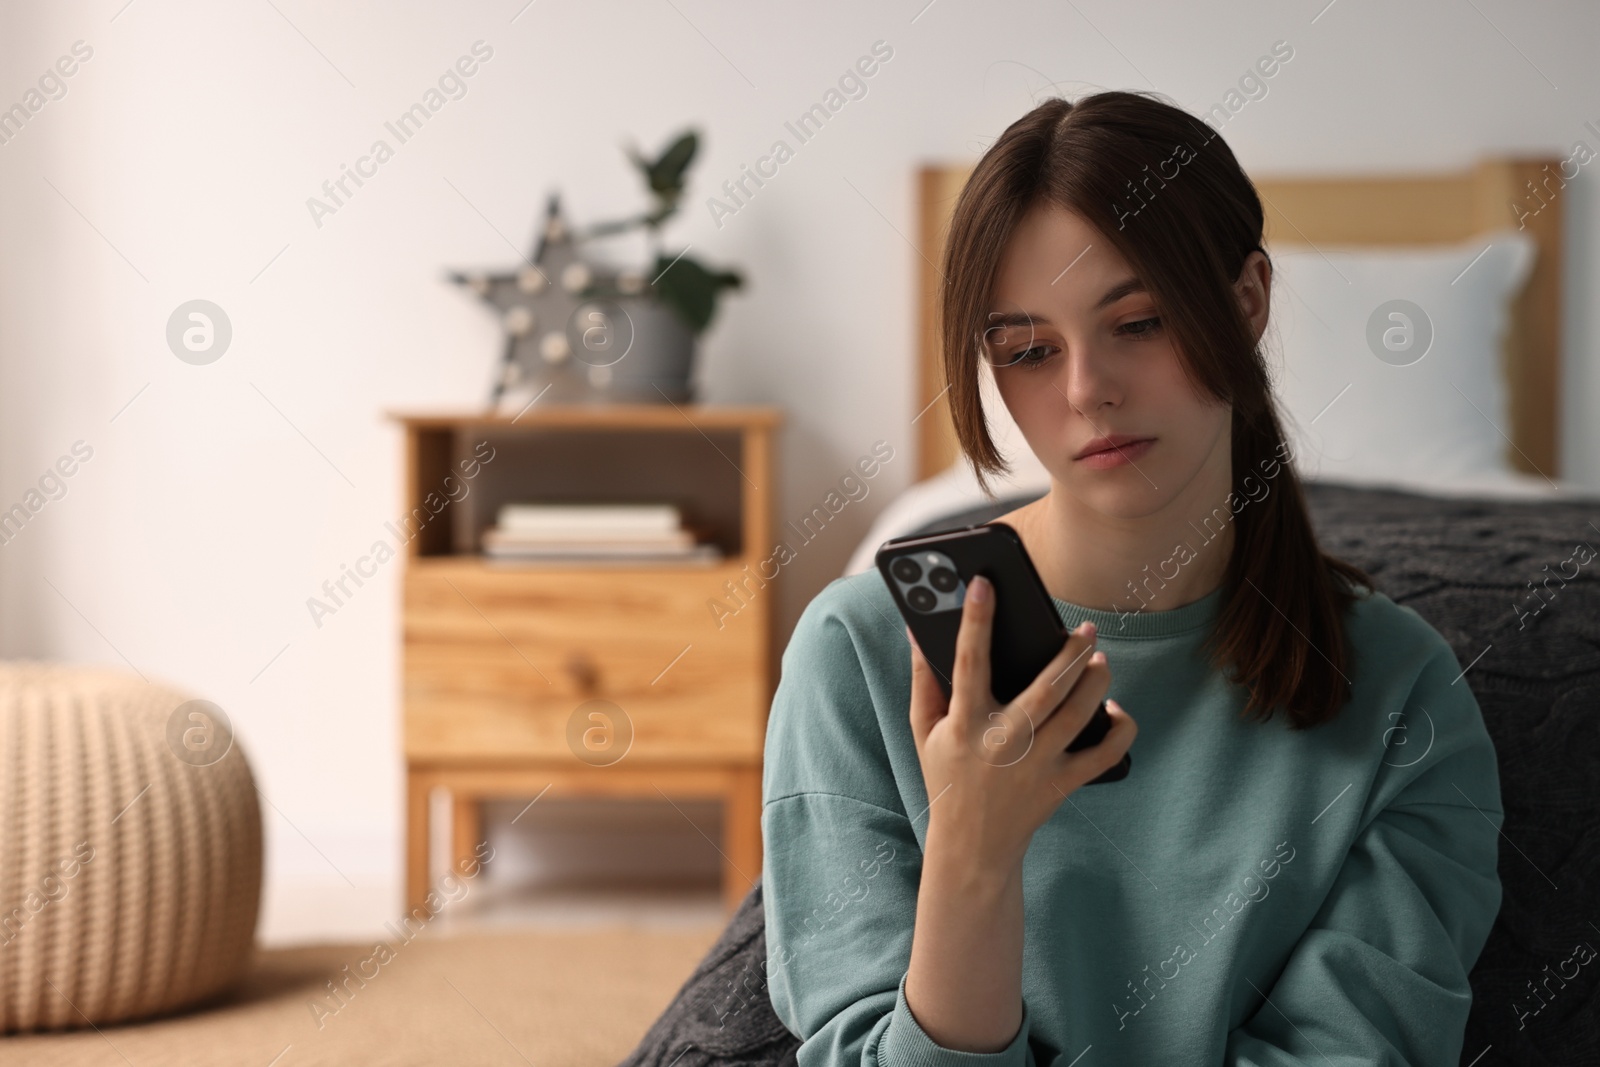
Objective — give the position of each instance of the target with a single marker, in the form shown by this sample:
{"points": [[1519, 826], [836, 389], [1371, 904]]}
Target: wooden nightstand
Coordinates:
{"points": [[527, 679]]}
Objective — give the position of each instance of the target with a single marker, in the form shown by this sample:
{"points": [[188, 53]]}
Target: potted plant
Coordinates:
{"points": [[578, 330]]}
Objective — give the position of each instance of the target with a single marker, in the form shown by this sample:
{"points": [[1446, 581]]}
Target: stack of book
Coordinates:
{"points": [[653, 532]]}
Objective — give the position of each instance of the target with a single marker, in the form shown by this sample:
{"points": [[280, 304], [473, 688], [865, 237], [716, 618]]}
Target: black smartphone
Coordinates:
{"points": [[927, 575]]}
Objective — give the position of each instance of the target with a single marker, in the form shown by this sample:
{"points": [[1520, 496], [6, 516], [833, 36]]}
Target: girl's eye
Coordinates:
{"points": [[1032, 357], [1039, 354]]}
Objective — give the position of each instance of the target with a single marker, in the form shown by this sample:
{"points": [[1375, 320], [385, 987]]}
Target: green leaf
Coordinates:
{"points": [[669, 170], [665, 175], [691, 290]]}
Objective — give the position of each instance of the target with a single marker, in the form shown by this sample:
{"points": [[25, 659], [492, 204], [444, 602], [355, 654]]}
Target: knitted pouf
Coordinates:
{"points": [[130, 849]]}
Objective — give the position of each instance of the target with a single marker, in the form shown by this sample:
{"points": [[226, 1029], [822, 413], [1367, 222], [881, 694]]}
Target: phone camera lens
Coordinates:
{"points": [[906, 569], [920, 598], [943, 579]]}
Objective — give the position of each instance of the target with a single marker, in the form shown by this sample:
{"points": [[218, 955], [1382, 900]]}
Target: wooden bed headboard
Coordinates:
{"points": [[1393, 210]]}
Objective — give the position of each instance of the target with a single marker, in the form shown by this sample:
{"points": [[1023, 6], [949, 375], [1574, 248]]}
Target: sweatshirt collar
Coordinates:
{"points": [[1134, 622]]}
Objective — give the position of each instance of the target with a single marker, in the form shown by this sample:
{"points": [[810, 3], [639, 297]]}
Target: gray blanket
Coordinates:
{"points": [[1512, 586]]}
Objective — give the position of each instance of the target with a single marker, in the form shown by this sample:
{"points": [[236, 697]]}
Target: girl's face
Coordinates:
{"points": [[1080, 354]]}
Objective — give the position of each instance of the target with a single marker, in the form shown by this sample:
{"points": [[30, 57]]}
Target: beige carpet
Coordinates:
{"points": [[544, 998]]}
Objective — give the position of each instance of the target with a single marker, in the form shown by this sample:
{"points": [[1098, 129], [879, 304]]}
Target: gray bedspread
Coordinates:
{"points": [[1512, 586]]}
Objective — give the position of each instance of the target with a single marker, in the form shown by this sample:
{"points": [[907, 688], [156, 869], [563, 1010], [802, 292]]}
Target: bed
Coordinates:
{"points": [[1495, 552], [1328, 220]]}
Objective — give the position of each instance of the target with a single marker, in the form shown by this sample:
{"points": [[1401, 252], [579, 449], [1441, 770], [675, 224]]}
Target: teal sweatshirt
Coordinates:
{"points": [[1249, 895]]}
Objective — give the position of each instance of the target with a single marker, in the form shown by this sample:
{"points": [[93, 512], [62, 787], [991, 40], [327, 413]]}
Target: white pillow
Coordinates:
{"points": [[1368, 395]]}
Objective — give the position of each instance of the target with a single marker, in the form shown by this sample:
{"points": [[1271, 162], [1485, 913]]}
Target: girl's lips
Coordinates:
{"points": [[1116, 457]]}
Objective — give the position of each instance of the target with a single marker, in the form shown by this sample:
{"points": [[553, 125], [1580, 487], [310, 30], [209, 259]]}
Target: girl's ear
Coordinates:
{"points": [[1254, 288]]}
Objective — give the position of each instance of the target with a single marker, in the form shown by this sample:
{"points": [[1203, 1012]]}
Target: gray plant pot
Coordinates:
{"points": [[630, 349]]}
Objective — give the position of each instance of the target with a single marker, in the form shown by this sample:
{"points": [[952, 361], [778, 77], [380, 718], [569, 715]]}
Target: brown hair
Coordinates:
{"points": [[1166, 191]]}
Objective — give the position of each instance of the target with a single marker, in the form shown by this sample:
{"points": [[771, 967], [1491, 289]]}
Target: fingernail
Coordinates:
{"points": [[978, 589], [1087, 629]]}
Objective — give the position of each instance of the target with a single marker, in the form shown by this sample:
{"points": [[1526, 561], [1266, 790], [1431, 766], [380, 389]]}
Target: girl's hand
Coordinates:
{"points": [[996, 773]]}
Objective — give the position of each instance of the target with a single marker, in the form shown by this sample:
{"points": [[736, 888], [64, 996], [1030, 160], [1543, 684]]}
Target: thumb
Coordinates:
{"points": [[928, 702]]}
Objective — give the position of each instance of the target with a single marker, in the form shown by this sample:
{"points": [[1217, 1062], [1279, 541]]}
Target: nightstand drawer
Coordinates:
{"points": [[498, 660]]}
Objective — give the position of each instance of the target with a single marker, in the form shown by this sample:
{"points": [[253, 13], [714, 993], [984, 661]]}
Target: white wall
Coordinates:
{"points": [[179, 162]]}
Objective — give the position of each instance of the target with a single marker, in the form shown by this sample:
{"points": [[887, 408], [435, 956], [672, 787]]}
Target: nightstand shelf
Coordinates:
{"points": [[587, 678]]}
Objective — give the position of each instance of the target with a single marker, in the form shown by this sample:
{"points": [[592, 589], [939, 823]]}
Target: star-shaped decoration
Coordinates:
{"points": [[568, 321]]}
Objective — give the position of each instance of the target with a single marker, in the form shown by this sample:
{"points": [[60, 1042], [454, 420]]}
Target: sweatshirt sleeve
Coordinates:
{"points": [[841, 865], [1380, 975]]}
